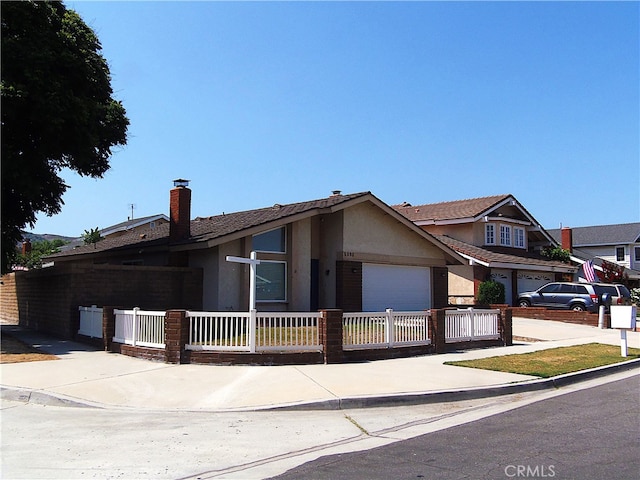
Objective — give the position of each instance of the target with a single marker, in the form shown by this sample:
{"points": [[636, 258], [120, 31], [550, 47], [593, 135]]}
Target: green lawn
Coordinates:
{"points": [[554, 361]]}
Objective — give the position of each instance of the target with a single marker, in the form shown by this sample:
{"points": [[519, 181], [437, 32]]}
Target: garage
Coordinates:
{"points": [[530, 281], [402, 288]]}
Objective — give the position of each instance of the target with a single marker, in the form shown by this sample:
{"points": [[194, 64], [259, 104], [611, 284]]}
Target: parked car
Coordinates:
{"points": [[620, 295], [574, 296]]}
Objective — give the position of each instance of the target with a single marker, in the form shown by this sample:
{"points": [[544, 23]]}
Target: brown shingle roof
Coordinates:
{"points": [[487, 256], [457, 209], [209, 228]]}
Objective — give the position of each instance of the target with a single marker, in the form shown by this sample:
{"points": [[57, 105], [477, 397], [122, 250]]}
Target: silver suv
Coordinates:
{"points": [[574, 296], [618, 293]]}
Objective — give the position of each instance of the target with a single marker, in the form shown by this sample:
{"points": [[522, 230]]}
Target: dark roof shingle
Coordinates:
{"points": [[457, 209]]}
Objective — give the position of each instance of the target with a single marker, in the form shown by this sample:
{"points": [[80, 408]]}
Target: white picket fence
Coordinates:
{"points": [[90, 321], [388, 329], [286, 331], [139, 328], [253, 331], [471, 324]]}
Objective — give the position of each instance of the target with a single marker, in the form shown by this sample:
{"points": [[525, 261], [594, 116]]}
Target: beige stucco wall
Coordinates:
{"points": [[300, 266], [370, 235], [461, 288]]}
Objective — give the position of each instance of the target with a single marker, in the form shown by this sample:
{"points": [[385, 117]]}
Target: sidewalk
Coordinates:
{"points": [[84, 376]]}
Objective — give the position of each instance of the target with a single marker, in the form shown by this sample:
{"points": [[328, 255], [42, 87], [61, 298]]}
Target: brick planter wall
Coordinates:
{"points": [[568, 316]]}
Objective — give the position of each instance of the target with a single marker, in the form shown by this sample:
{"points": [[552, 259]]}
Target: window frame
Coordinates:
{"points": [[519, 233], [624, 254], [490, 231], [505, 235], [284, 299]]}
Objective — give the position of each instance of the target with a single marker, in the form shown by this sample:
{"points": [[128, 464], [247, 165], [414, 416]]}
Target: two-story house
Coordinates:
{"points": [[618, 243], [499, 239]]}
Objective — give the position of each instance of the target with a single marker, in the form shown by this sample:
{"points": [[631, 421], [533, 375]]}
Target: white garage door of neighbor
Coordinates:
{"points": [[504, 277], [530, 281], [399, 287]]}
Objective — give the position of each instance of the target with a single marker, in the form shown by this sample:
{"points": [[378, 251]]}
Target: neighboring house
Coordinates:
{"points": [[135, 225], [346, 251], [619, 244], [499, 240], [130, 226]]}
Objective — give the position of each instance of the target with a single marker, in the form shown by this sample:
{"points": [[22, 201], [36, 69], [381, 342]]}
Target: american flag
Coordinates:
{"points": [[589, 272]]}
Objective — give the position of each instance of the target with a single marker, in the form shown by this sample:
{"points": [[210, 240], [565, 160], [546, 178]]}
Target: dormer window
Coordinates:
{"points": [[519, 237], [490, 234], [505, 235]]}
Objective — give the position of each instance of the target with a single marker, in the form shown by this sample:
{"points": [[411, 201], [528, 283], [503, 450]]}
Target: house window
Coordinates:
{"points": [[518, 237], [637, 254], [620, 254], [273, 241], [505, 235], [271, 281], [490, 234]]}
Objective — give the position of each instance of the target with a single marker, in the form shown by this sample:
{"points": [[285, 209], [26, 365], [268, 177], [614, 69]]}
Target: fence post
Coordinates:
{"points": [[437, 321], [253, 318], [108, 327], [390, 334], [134, 327], [506, 325], [331, 335], [176, 336], [472, 324]]}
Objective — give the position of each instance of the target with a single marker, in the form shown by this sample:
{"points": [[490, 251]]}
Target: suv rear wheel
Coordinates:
{"points": [[578, 307]]}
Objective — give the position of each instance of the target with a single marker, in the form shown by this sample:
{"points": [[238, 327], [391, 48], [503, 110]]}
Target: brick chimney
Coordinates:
{"points": [[179, 211], [26, 247], [567, 238]]}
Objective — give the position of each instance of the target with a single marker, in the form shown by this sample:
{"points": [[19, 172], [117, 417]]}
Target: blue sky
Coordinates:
{"points": [[280, 102]]}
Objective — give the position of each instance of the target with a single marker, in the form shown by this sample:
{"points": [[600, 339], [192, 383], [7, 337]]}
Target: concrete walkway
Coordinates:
{"points": [[83, 376]]}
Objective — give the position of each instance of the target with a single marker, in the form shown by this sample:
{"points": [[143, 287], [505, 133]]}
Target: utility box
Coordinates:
{"points": [[623, 316]]}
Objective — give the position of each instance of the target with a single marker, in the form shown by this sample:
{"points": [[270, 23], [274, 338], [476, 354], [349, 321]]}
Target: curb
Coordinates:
{"points": [[472, 393], [39, 397]]}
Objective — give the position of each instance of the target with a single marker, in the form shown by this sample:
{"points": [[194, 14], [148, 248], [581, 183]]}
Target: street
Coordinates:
{"points": [[576, 429], [589, 434]]}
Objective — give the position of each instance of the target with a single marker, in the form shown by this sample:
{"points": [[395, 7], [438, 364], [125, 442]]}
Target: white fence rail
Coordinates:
{"points": [[220, 331], [471, 324], [139, 328], [385, 330], [90, 321], [253, 331], [288, 331]]}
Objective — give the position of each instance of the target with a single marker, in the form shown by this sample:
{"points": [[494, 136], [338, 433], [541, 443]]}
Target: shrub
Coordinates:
{"points": [[557, 253], [491, 292], [635, 295]]}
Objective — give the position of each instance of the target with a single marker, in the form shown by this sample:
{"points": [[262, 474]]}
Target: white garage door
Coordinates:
{"points": [[530, 281], [398, 287], [504, 277]]}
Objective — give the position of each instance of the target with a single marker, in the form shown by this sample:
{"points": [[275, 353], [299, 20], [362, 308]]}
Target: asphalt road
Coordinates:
{"points": [[584, 435]]}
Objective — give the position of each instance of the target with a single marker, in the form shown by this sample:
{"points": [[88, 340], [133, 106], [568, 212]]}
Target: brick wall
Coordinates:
{"points": [[48, 299], [568, 316], [8, 299]]}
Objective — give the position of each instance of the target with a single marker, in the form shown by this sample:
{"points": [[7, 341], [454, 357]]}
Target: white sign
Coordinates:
{"points": [[253, 262]]}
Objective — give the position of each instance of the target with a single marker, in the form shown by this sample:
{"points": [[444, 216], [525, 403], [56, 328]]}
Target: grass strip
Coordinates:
{"points": [[554, 361]]}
